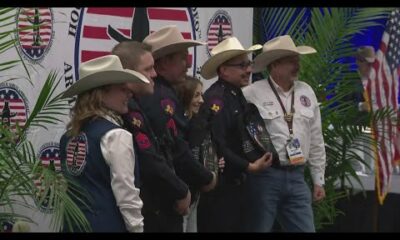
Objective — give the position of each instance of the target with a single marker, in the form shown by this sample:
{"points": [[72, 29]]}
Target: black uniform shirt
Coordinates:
{"points": [[167, 119], [161, 187], [228, 104]]}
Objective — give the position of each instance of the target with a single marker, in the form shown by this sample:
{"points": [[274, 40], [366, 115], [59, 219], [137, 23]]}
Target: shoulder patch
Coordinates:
{"points": [[142, 141], [305, 101], [168, 105], [216, 104], [136, 120], [77, 149]]}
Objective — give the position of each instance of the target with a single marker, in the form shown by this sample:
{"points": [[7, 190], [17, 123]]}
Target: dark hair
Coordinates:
{"points": [[129, 52], [186, 91]]}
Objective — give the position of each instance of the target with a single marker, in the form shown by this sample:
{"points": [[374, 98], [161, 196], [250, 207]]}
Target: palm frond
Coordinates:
{"points": [[20, 166]]}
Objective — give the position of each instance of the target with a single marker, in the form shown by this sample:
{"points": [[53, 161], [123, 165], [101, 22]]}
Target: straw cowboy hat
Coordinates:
{"points": [[366, 53], [224, 51], [276, 48], [100, 72], [168, 40]]}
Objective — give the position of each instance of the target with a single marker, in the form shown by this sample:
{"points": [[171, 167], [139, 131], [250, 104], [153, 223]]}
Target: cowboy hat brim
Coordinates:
{"points": [[104, 78], [209, 68], [176, 47], [267, 57]]}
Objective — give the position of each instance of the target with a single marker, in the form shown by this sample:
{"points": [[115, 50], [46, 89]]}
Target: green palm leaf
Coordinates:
{"points": [[19, 164]]}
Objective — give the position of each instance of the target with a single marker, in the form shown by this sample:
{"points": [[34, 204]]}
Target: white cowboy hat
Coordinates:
{"points": [[168, 40], [367, 53], [224, 51], [100, 72], [277, 48]]}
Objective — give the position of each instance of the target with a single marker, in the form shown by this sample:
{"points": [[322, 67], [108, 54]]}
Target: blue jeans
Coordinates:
{"points": [[282, 194]]}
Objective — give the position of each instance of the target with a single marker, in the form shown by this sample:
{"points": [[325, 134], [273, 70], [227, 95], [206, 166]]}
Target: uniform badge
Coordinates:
{"points": [[216, 105], [136, 119], [305, 101], [77, 149], [169, 106], [142, 141]]}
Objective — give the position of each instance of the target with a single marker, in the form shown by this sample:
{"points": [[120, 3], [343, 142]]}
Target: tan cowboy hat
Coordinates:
{"points": [[100, 72], [224, 51], [367, 53], [277, 48], [168, 40]]}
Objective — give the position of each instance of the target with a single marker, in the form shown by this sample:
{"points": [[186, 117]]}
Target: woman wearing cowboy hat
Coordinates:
{"points": [[97, 152], [223, 209], [291, 112]]}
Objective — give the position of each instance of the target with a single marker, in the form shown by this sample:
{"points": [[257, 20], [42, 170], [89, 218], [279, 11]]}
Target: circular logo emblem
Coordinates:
{"points": [[13, 107], [49, 155], [98, 30], [305, 101], [35, 32], [219, 28]]}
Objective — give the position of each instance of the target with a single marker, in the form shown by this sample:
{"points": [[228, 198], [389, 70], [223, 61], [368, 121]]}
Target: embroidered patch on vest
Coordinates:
{"points": [[77, 149], [305, 101], [216, 105], [169, 106], [142, 141]]}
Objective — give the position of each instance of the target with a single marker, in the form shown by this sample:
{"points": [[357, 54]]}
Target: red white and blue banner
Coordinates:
{"points": [[62, 38]]}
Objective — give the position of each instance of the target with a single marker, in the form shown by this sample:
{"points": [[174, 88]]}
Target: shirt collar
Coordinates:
{"points": [[229, 86], [280, 90], [114, 118]]}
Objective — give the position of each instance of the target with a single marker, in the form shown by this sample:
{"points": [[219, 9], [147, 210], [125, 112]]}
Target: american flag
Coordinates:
{"points": [[382, 87], [17, 107]]}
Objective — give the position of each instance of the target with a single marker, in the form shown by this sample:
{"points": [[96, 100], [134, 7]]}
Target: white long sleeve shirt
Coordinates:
{"points": [[117, 149], [306, 122]]}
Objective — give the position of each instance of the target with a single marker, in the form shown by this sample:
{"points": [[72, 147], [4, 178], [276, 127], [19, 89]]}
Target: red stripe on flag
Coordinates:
{"points": [[119, 12], [167, 14], [89, 55], [185, 35]]}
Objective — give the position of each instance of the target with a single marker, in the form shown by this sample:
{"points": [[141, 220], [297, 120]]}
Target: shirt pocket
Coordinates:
{"points": [[270, 113], [304, 118], [306, 113]]}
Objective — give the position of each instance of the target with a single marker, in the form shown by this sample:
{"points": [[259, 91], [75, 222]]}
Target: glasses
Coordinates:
{"points": [[242, 65]]}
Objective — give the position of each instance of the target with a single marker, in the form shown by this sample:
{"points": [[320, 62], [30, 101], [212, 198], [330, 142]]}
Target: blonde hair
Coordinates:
{"points": [[88, 106]]}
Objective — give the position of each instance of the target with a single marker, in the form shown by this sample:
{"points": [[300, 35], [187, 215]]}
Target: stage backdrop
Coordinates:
{"points": [[69, 36]]}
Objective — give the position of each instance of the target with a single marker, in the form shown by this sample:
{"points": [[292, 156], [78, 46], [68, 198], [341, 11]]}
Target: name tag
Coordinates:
{"points": [[294, 152]]}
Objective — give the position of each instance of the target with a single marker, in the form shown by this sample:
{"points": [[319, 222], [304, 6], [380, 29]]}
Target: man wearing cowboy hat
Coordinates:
{"points": [[222, 210], [97, 152], [162, 191], [166, 114], [291, 113]]}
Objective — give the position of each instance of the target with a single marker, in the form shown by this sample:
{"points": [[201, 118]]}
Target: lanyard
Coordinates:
{"points": [[287, 116]]}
